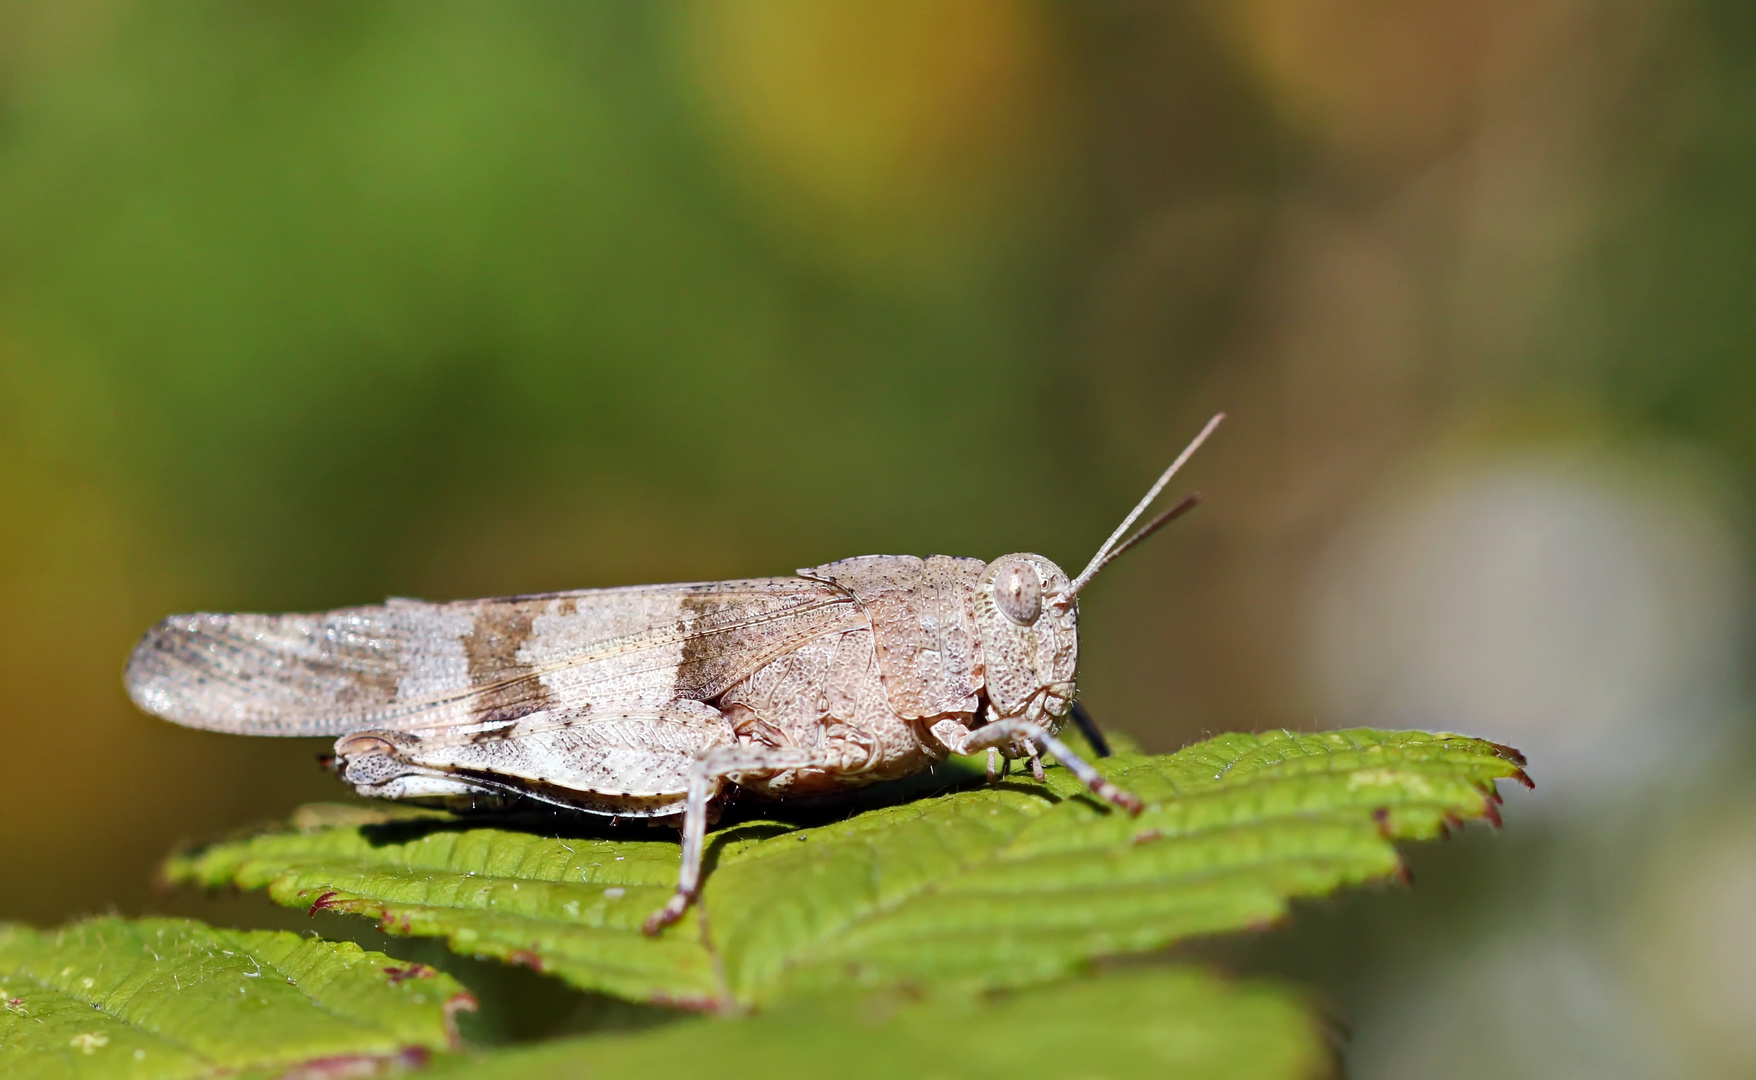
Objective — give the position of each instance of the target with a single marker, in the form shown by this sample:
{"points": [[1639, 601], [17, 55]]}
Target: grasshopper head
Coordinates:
{"points": [[1029, 624], [1027, 612]]}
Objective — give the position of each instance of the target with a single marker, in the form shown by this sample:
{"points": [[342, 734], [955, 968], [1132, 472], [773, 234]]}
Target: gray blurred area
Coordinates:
{"points": [[308, 304]]}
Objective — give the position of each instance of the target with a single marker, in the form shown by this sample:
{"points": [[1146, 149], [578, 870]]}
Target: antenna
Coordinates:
{"points": [[1190, 502], [1111, 547]]}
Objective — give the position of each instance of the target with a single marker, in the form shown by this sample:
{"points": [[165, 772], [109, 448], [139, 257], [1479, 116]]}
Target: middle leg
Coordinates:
{"points": [[706, 774]]}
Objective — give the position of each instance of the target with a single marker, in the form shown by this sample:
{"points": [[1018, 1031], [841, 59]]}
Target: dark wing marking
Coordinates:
{"points": [[409, 665]]}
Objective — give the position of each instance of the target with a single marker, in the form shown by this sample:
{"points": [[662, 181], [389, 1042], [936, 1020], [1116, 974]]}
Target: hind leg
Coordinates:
{"points": [[624, 764]]}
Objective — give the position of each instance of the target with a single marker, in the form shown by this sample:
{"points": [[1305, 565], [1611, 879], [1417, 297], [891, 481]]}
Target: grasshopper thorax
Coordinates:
{"points": [[1029, 627]]}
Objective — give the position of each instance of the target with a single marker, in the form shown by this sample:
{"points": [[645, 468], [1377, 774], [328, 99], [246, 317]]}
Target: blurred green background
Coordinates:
{"points": [[307, 304]]}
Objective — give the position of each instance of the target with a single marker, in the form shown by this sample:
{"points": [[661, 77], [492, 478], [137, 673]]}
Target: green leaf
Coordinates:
{"points": [[168, 998], [999, 886], [1165, 1022]]}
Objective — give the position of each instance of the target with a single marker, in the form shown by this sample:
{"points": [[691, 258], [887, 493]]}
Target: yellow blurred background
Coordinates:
{"points": [[307, 304]]}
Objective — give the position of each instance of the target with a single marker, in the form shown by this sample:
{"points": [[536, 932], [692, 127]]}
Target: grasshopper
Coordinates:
{"points": [[660, 701]]}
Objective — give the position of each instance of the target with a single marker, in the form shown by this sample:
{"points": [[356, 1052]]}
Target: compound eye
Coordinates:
{"points": [[1019, 594]]}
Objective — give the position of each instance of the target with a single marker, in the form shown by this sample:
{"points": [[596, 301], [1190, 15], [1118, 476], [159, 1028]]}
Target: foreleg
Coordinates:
{"points": [[961, 740], [705, 775], [997, 770]]}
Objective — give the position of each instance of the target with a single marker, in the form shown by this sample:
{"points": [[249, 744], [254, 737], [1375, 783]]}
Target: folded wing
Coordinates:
{"points": [[407, 664]]}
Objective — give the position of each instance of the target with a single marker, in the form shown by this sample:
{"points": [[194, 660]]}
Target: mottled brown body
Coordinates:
{"points": [[600, 699], [609, 701]]}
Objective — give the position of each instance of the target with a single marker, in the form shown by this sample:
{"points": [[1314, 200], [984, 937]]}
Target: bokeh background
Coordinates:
{"points": [[306, 304]]}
